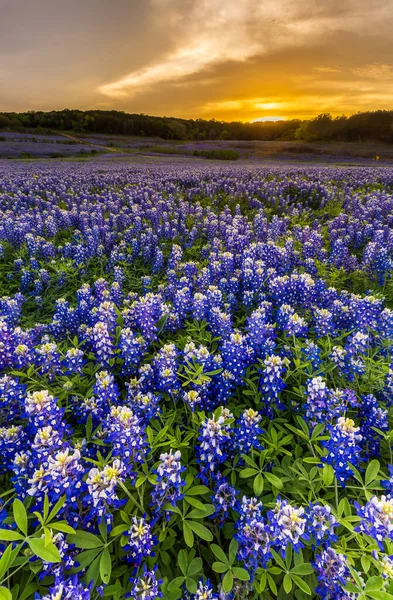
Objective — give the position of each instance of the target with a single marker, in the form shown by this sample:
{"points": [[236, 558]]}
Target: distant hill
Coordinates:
{"points": [[360, 127]]}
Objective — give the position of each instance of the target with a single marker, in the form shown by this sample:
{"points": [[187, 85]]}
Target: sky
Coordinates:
{"points": [[225, 59]]}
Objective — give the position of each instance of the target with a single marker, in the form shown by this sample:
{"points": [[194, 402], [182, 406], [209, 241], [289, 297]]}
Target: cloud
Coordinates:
{"points": [[213, 32], [326, 69], [374, 71]]}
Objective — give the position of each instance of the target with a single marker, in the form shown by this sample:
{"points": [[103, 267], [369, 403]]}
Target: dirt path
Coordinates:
{"points": [[86, 143]]}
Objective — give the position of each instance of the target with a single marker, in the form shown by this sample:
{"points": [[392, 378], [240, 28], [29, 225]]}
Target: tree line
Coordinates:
{"points": [[372, 125]]}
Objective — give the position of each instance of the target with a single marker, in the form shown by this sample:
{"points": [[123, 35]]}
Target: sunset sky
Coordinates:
{"points": [[228, 59]]}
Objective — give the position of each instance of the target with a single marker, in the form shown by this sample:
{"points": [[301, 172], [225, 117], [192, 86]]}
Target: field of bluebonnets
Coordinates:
{"points": [[196, 382]]}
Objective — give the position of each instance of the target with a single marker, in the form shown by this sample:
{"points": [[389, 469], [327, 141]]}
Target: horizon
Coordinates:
{"points": [[243, 61], [267, 119]]}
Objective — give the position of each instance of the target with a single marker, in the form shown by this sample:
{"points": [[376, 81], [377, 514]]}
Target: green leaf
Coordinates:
{"points": [[258, 485], [220, 567], [93, 571], [86, 558], [195, 566], [191, 585], [196, 513], [288, 556], [175, 584], [198, 490], [227, 582], [378, 595], [5, 560], [8, 535], [47, 553], [182, 561], [28, 591], [301, 584], [278, 559], [105, 566], [202, 531], [61, 526], [194, 502], [20, 515], [374, 583], [188, 535], [171, 508], [272, 584], [311, 460], [85, 540], [372, 471], [327, 475], [287, 583], [103, 529], [274, 480], [219, 553], [5, 594], [241, 574], [246, 473], [233, 546], [59, 504], [304, 569]]}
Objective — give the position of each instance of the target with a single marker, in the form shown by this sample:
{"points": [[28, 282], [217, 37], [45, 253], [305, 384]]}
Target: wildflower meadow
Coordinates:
{"points": [[196, 381]]}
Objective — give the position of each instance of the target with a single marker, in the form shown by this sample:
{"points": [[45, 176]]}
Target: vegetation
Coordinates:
{"points": [[196, 382], [376, 125]]}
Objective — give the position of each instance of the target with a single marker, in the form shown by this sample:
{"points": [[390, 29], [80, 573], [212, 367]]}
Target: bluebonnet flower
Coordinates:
{"points": [[124, 431], [140, 541], [200, 306], [343, 448], [12, 394], [105, 313], [320, 524], [224, 498], [213, 442], [145, 586], [101, 342], [388, 483], [132, 348], [386, 566], [246, 432], [372, 416], [169, 481], [74, 361], [145, 406], [271, 383], [23, 354], [205, 591], [41, 409], [323, 322], [376, 519], [67, 589], [296, 326], [102, 487], [288, 525], [59, 474], [67, 554], [261, 333], [48, 359], [12, 441], [333, 574], [236, 355], [106, 393], [253, 534], [166, 366]]}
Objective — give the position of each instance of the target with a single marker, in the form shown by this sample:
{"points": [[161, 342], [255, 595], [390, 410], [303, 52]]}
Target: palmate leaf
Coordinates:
{"points": [[48, 553]]}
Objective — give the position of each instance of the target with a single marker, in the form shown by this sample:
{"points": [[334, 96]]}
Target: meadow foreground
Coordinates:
{"points": [[196, 382]]}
